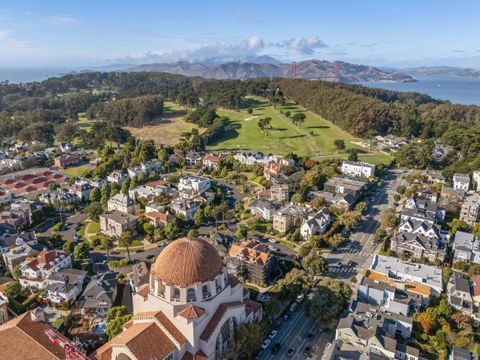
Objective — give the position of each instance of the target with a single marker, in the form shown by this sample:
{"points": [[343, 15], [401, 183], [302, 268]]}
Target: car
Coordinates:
{"points": [[293, 307], [150, 256], [310, 336], [352, 263], [272, 241], [139, 251], [162, 244], [276, 348], [307, 350], [300, 298], [265, 343], [291, 351], [286, 317], [272, 334]]}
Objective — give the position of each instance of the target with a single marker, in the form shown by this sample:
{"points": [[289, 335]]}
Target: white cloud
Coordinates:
{"points": [[302, 45], [61, 20]]}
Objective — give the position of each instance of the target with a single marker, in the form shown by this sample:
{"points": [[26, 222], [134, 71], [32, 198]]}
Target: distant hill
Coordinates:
{"points": [[309, 69], [440, 71]]}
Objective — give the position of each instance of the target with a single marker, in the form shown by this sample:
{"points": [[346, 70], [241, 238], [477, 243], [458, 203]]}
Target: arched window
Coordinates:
{"points": [[205, 292], [218, 285], [176, 294], [191, 295], [225, 337], [161, 288]]}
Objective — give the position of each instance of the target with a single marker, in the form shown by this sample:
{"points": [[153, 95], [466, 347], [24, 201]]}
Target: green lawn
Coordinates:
{"points": [[315, 137], [76, 171], [92, 227]]}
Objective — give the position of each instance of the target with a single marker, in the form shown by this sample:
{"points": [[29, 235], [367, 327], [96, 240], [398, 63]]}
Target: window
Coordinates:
{"points": [[176, 294], [191, 296], [205, 292]]}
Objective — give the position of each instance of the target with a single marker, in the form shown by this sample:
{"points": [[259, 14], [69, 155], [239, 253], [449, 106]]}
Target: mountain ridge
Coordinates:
{"points": [[308, 69]]}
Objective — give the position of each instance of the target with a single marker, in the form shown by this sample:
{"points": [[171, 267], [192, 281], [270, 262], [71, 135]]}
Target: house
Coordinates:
{"points": [[58, 197], [10, 240], [35, 272], [152, 189], [82, 190], [476, 180], [99, 294], [315, 224], [64, 286], [285, 218], [466, 247], [66, 160], [145, 169], [115, 223], [211, 161], [29, 337], [138, 276], [18, 254], [345, 185], [470, 209], [117, 177], [251, 158], [252, 261], [357, 169], [279, 192], [263, 209], [461, 354], [452, 194], [158, 218], [122, 203], [461, 182], [5, 197], [271, 170], [375, 331], [435, 176], [340, 201], [194, 184], [418, 246], [475, 282], [422, 210], [387, 297], [184, 208], [423, 279], [193, 158], [459, 295]]}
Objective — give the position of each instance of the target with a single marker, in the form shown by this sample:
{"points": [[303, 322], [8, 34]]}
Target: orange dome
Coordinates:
{"points": [[187, 261]]}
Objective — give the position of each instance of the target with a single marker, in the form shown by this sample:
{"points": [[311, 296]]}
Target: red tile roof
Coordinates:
{"points": [[191, 312], [215, 320]]}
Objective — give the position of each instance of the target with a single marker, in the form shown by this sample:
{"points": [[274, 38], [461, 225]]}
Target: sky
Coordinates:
{"points": [[389, 33]]}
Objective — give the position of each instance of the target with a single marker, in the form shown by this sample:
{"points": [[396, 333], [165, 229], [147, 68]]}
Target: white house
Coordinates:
{"points": [[358, 169], [184, 208], [466, 247], [64, 286], [194, 184], [461, 182], [476, 180], [35, 272], [81, 189], [117, 177], [263, 209], [315, 224], [122, 203]]}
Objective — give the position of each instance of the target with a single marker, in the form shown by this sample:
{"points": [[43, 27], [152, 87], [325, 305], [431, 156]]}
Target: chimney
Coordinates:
{"points": [[37, 315]]}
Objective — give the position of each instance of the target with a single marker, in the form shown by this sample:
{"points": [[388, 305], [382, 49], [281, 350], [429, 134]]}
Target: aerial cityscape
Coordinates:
{"points": [[239, 180]]}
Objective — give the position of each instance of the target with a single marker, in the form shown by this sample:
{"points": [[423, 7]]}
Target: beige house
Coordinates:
{"points": [[284, 219], [115, 223], [122, 203]]}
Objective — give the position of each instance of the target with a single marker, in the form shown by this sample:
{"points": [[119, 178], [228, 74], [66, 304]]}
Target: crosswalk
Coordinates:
{"points": [[350, 250], [344, 270]]}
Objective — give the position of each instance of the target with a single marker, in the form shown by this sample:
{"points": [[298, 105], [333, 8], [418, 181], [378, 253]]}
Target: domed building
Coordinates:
{"points": [[188, 310]]}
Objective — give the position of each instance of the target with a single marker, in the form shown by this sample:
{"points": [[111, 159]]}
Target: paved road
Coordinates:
{"points": [[293, 333]]}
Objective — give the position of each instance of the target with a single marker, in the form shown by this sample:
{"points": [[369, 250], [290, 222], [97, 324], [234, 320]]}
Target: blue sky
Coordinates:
{"points": [[388, 33]]}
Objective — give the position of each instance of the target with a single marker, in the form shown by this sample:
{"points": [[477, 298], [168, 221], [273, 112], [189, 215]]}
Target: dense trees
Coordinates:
{"points": [[135, 111], [203, 116]]}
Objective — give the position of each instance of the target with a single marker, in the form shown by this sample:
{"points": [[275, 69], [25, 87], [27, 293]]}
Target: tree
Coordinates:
{"points": [[315, 264], [126, 240], [380, 236], [68, 246], [389, 218], [401, 189], [352, 155], [327, 302], [125, 187], [199, 217], [298, 118], [148, 228], [13, 289], [17, 271], [95, 195], [361, 207], [81, 252], [107, 244], [242, 232], [264, 124], [248, 339], [93, 210], [116, 317], [339, 144]]}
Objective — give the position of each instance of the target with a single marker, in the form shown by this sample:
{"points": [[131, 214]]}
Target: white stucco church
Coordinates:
{"points": [[189, 309]]}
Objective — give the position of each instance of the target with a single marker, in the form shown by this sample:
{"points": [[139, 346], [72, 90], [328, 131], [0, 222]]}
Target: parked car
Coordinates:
{"points": [[272, 241], [291, 351], [300, 298], [272, 334], [310, 336], [293, 307], [286, 317], [265, 343], [276, 348], [336, 264], [307, 351]]}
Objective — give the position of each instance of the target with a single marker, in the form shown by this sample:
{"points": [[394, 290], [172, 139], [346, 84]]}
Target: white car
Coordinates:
{"points": [[300, 298], [273, 241], [293, 307], [337, 264], [273, 334], [265, 343]]}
